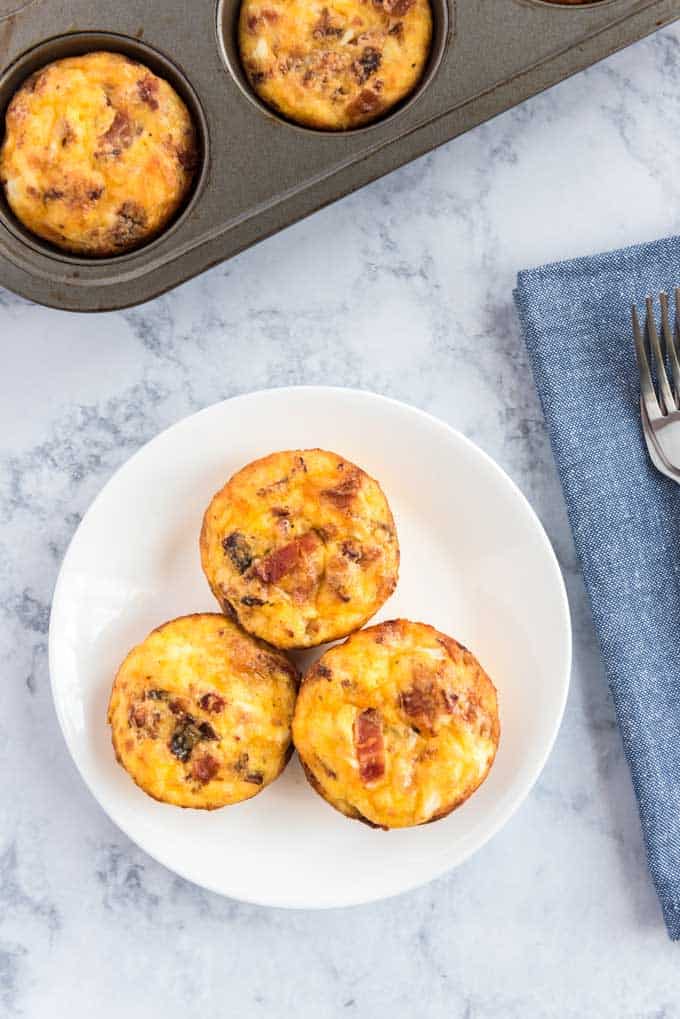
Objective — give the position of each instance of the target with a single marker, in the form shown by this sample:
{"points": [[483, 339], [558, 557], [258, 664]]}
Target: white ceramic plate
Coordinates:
{"points": [[475, 562]]}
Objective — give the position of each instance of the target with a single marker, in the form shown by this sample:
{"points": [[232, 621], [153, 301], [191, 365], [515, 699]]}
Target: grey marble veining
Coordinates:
{"points": [[403, 288]]}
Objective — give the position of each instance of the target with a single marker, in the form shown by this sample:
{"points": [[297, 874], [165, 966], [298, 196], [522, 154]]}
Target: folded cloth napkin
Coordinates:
{"points": [[624, 514]]}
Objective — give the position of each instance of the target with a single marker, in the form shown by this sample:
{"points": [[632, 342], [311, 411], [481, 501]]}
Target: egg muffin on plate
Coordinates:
{"points": [[200, 713], [337, 64], [98, 155], [300, 547], [398, 726]]}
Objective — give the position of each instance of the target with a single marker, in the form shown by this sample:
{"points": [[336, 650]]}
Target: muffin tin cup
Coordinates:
{"points": [[258, 172], [77, 44], [443, 28]]}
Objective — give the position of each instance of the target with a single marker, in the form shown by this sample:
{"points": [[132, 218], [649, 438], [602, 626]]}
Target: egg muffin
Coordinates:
{"points": [[98, 155], [200, 713], [300, 547], [397, 726], [334, 64]]}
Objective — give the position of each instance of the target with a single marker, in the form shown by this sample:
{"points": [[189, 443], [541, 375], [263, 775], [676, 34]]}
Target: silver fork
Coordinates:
{"points": [[660, 411]]}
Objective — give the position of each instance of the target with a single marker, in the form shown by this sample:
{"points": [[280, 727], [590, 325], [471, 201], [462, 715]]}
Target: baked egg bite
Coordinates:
{"points": [[334, 64], [200, 713], [397, 726], [300, 547], [98, 154]]}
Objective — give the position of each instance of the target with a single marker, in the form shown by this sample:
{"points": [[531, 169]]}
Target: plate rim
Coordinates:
{"points": [[564, 674]]}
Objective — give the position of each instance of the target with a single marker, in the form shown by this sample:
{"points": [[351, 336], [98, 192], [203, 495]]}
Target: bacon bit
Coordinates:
{"points": [[323, 670], [147, 89], [284, 560], [426, 699], [395, 8], [420, 703], [277, 564], [343, 494], [131, 221], [212, 702], [270, 16], [366, 104], [369, 744], [137, 716], [204, 768], [119, 136]]}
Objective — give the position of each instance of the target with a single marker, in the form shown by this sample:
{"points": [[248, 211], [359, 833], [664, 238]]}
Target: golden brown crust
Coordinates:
{"points": [[301, 547], [99, 154], [397, 726], [200, 713], [336, 64]]}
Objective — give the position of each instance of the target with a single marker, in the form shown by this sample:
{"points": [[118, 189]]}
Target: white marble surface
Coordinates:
{"points": [[404, 288]]}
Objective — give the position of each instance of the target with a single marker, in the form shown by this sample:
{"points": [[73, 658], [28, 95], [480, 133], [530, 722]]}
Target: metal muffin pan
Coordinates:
{"points": [[258, 172]]}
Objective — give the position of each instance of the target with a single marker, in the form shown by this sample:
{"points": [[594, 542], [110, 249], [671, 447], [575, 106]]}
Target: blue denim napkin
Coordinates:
{"points": [[624, 514]]}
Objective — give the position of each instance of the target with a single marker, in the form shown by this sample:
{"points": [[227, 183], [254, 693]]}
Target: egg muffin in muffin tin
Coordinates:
{"points": [[200, 713], [397, 726], [98, 155], [336, 64], [300, 547]]}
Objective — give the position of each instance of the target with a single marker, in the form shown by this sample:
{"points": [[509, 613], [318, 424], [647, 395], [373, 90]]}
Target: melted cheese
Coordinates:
{"points": [[336, 64], [438, 715], [322, 521], [165, 680], [98, 153]]}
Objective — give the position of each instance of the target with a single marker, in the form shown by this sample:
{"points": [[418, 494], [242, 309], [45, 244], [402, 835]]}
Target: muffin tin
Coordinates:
{"points": [[258, 172]]}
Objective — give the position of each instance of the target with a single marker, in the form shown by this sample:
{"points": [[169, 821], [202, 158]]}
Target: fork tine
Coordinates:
{"points": [[667, 402], [647, 393], [670, 343]]}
